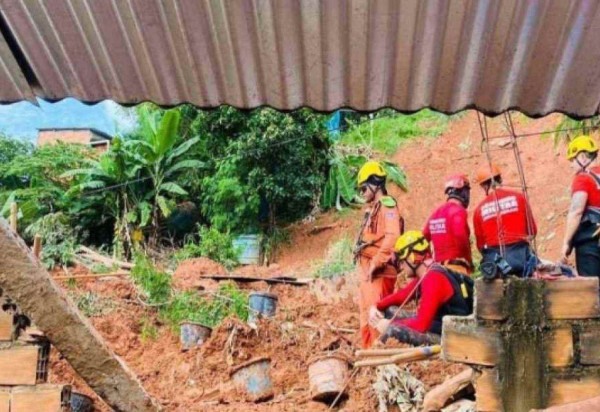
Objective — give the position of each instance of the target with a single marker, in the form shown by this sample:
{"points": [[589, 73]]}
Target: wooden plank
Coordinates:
{"points": [[30, 285], [464, 341], [489, 297], [246, 279], [448, 391], [18, 365], [6, 326], [589, 343], [4, 400], [487, 391], [40, 398], [573, 389], [572, 298], [560, 347]]}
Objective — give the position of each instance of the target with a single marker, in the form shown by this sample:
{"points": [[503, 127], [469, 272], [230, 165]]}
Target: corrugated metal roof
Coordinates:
{"points": [[538, 56]]}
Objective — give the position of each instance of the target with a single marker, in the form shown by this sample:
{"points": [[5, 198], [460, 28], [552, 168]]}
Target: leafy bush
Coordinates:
{"points": [[213, 245], [58, 239], [209, 311], [92, 305], [338, 260], [154, 284]]}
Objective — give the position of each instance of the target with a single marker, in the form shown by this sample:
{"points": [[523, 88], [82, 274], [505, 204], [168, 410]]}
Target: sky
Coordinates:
{"points": [[23, 119]]}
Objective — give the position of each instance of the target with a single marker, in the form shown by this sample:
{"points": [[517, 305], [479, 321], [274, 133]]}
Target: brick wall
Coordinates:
{"points": [[533, 344]]}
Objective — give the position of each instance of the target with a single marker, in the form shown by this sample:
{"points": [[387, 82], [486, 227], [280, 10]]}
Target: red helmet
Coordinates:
{"points": [[457, 181]]}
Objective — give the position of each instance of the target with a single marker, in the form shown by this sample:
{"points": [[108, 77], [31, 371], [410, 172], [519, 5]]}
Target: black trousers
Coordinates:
{"points": [[407, 335], [517, 255], [587, 258]]}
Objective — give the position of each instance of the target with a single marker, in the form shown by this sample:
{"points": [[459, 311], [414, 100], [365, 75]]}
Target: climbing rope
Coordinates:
{"points": [[485, 142], [513, 137]]}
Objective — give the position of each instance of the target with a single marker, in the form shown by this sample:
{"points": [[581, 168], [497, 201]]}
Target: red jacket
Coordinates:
{"points": [[514, 212], [448, 231], [435, 291]]}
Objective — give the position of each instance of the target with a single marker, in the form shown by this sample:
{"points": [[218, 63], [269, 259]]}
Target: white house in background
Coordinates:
{"points": [[91, 137]]}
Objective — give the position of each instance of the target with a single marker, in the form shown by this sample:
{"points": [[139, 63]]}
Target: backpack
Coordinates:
{"points": [[461, 283]]}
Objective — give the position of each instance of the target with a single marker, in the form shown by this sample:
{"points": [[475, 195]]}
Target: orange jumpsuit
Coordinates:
{"points": [[382, 229]]}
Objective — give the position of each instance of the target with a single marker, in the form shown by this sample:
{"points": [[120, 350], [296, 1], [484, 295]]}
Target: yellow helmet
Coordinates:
{"points": [[371, 168], [411, 241], [582, 143]]}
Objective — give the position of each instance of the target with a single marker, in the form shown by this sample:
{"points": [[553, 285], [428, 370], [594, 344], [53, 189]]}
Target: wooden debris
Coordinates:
{"points": [[247, 279], [37, 246], [85, 253], [92, 276], [417, 354], [14, 212], [447, 392], [319, 229]]}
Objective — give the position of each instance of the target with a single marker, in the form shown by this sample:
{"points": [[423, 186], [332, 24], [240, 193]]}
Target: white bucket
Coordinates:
{"points": [[249, 249]]}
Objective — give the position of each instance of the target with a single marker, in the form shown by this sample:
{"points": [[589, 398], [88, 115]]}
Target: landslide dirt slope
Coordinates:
{"points": [[189, 381], [427, 161]]}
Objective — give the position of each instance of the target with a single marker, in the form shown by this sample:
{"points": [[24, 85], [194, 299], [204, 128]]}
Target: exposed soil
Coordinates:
{"points": [[199, 380]]}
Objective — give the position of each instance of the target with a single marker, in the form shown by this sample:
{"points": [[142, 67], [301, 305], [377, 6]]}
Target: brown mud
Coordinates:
{"points": [[199, 380]]}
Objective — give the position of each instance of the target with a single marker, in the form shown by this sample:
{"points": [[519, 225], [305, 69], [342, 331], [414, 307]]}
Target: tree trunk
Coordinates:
{"points": [[29, 285]]}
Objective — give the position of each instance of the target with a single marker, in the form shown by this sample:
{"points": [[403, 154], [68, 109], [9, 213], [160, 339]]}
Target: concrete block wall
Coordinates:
{"points": [[533, 343], [24, 366]]}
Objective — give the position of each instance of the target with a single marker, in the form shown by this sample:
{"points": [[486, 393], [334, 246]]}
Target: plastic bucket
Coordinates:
{"points": [[249, 249], [254, 379], [261, 304], [81, 403], [327, 376], [193, 334]]}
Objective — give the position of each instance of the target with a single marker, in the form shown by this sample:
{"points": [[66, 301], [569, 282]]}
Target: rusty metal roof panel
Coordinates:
{"points": [[13, 84], [537, 56]]}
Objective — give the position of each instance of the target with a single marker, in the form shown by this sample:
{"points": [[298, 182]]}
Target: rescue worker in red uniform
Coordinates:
{"points": [[447, 229], [583, 219], [375, 246], [503, 238], [439, 292]]}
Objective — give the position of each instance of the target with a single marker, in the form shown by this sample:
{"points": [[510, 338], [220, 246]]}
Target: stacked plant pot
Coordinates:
{"points": [[24, 356], [532, 343]]}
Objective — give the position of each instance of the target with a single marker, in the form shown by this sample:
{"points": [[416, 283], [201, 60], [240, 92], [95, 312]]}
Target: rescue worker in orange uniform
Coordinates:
{"points": [[374, 250], [447, 229], [503, 237]]}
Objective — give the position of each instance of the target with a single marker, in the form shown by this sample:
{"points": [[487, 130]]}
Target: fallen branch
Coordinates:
{"points": [[365, 353], [417, 354], [91, 276], [310, 325], [319, 229], [97, 257]]}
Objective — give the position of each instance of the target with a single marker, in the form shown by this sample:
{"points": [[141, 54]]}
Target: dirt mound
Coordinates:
{"points": [[188, 274]]}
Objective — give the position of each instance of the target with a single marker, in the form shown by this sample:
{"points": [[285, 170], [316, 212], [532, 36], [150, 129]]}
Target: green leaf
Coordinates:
{"points": [[167, 132], [163, 205], [182, 148], [146, 211], [172, 188], [345, 181], [6, 208], [131, 216], [184, 164], [396, 175]]}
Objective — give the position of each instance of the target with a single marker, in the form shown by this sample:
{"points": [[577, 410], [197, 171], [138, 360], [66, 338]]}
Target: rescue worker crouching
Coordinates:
{"points": [[503, 238], [438, 291], [447, 229], [583, 219], [375, 245]]}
